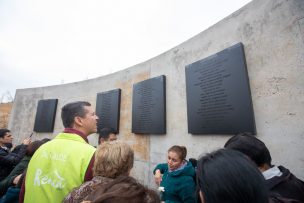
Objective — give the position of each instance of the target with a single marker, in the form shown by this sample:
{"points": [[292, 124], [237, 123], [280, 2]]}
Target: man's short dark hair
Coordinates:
{"points": [[3, 132], [105, 133], [254, 148], [72, 110]]}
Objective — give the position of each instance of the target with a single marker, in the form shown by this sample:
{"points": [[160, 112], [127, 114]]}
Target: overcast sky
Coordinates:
{"points": [[52, 42]]}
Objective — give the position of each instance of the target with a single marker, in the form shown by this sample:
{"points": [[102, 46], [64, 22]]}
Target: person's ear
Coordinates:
{"points": [[78, 121], [101, 140], [264, 167]]}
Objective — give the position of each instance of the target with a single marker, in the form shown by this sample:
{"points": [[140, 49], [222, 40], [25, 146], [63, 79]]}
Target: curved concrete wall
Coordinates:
{"points": [[272, 32]]}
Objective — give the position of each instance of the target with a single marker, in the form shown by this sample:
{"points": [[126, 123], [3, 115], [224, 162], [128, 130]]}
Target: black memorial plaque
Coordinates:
{"points": [[218, 94], [149, 106], [45, 115], [108, 109]]}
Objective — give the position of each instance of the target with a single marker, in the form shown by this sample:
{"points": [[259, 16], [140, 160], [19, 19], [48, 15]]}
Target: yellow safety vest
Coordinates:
{"points": [[56, 168]]}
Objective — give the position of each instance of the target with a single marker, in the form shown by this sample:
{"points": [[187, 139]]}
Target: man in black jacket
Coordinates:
{"points": [[8, 160], [280, 181]]}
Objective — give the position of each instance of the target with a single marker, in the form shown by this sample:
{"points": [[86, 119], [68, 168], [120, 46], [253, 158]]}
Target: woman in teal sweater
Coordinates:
{"points": [[176, 178]]}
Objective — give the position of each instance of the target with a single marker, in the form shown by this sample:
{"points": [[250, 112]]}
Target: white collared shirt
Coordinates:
{"points": [[272, 172]]}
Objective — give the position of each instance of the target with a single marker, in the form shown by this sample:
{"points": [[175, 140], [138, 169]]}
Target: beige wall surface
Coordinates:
{"points": [[272, 32], [5, 111]]}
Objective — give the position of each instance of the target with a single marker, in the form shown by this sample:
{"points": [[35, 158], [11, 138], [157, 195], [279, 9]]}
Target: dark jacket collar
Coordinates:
{"points": [[272, 182]]}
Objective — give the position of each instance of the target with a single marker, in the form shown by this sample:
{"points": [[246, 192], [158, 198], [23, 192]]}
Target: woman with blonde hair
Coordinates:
{"points": [[123, 189], [112, 159], [176, 178]]}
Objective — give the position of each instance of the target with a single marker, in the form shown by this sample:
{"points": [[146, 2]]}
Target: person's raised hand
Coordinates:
{"points": [[26, 141], [157, 177]]}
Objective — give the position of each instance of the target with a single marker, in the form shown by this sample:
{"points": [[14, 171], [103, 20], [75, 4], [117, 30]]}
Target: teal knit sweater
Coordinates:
{"points": [[179, 185]]}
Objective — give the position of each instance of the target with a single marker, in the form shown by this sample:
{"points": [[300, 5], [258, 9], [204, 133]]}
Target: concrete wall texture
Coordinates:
{"points": [[272, 32], [5, 111]]}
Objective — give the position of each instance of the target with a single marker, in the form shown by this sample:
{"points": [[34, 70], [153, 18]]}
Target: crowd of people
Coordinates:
{"points": [[68, 169]]}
